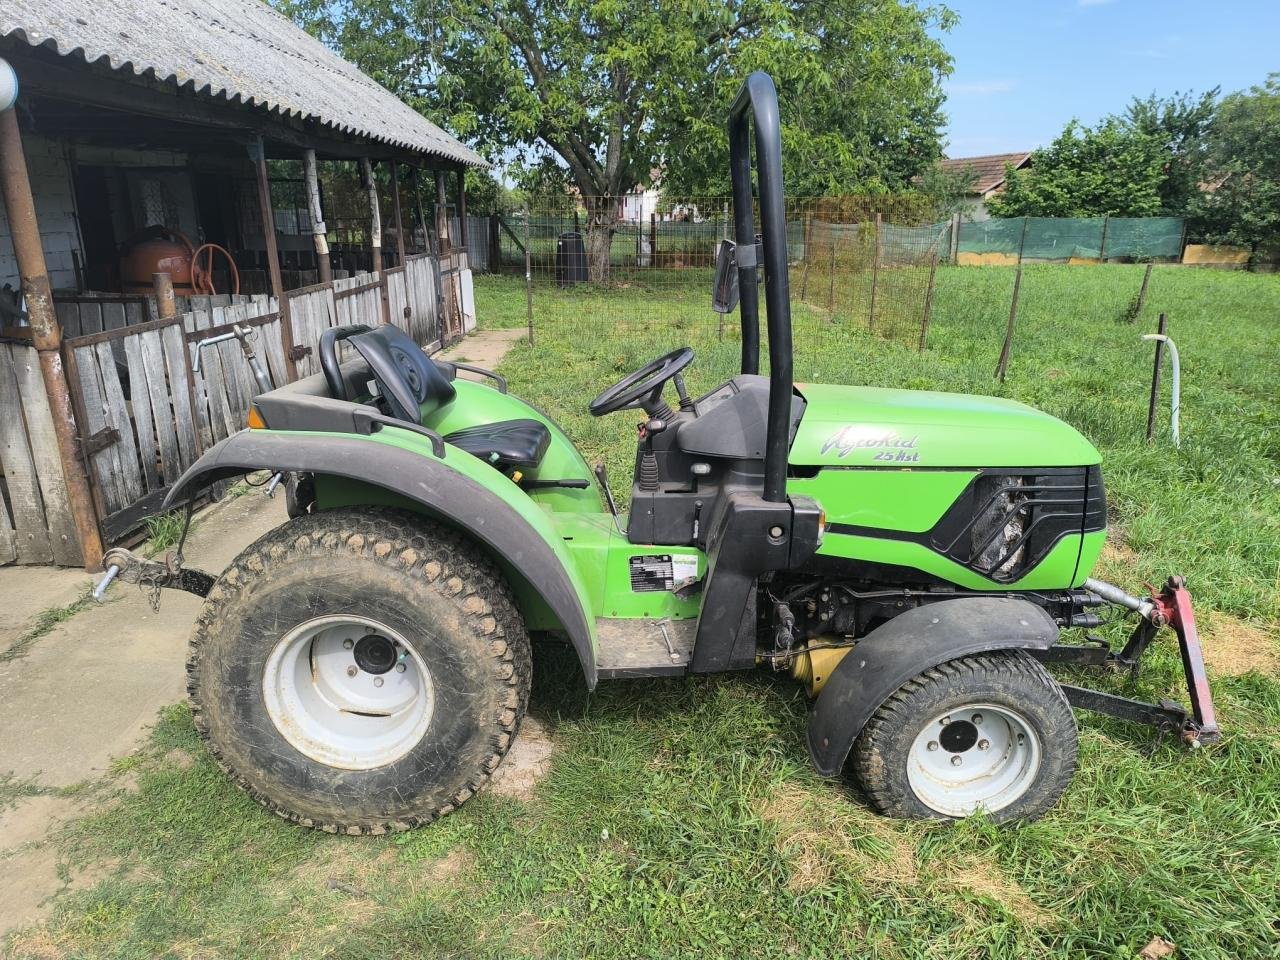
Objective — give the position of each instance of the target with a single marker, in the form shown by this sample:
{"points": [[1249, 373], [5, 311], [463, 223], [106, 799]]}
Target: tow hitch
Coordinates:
{"points": [[1171, 607], [126, 565]]}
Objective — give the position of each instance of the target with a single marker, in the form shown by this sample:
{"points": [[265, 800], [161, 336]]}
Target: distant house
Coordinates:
{"points": [[990, 173]]}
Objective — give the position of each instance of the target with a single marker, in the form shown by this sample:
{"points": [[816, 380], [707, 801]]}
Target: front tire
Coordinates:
{"points": [[360, 671], [987, 733]]}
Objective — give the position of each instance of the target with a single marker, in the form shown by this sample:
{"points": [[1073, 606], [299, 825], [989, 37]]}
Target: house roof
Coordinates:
{"points": [[238, 51], [989, 169]]}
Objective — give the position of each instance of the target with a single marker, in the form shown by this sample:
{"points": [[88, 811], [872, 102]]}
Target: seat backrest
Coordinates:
{"points": [[411, 384]]}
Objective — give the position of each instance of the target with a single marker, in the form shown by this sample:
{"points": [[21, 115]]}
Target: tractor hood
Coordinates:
{"points": [[875, 427]]}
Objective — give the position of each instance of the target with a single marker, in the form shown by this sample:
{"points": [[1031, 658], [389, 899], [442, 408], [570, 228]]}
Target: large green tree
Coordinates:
{"points": [[624, 94], [1242, 202], [1088, 172], [1181, 123]]}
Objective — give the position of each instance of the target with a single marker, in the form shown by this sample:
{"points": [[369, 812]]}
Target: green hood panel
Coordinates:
{"points": [[874, 427]]}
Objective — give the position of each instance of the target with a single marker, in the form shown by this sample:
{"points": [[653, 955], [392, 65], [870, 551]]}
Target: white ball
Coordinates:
{"points": [[8, 85]]}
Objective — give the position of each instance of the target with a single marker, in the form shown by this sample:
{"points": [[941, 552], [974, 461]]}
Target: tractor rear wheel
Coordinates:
{"points": [[360, 671], [991, 732]]}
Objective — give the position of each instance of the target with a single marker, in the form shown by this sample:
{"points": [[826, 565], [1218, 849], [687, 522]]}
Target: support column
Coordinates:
{"points": [[257, 153], [375, 215], [398, 220], [46, 333], [319, 232], [464, 233]]}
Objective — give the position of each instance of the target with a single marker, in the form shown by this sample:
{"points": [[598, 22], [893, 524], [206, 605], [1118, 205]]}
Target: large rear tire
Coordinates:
{"points": [[360, 671], [991, 732]]}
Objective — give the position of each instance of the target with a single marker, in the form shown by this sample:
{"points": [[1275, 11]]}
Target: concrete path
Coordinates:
{"points": [[87, 688]]}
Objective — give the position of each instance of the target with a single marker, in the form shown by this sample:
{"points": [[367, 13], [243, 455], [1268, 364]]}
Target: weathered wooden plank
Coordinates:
{"points": [[233, 360], [174, 346], [31, 535], [271, 348], [105, 464], [68, 318], [156, 385], [135, 312], [8, 535], [90, 317], [118, 417], [143, 417], [219, 411]]}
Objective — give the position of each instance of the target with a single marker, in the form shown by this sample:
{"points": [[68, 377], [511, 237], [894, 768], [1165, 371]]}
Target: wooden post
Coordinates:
{"points": [[1006, 348], [442, 217], [528, 278], [1163, 327], [448, 318], [258, 154], [375, 216], [464, 233], [831, 285], [46, 334], [1102, 252], [1142, 292], [1022, 245], [397, 220], [955, 238], [875, 277], [319, 232], [928, 300]]}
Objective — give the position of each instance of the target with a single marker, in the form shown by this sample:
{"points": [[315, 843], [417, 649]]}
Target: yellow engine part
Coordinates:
{"points": [[813, 668]]}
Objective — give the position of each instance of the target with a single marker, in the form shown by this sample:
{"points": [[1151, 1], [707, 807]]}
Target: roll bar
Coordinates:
{"points": [[757, 105]]}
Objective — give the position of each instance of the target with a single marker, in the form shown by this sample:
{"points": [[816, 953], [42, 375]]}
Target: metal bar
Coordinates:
{"points": [[1006, 348], [808, 253], [398, 220], [1183, 621], [1142, 292], [1161, 329], [258, 154], [319, 232], [1175, 392], [46, 333], [928, 299], [528, 277], [875, 277], [1171, 718]]}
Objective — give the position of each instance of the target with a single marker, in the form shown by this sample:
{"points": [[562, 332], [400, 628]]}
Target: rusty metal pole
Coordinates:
{"points": [[258, 154], [319, 232], [398, 220], [46, 333], [1162, 329]]}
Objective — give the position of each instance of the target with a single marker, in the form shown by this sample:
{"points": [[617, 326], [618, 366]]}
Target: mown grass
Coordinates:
{"points": [[680, 818]]}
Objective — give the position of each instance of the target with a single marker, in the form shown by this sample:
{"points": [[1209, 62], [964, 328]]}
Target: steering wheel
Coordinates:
{"points": [[643, 388]]}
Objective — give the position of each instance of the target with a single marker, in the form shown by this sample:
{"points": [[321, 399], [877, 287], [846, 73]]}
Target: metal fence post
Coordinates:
{"points": [[528, 278], [1142, 291], [831, 286], [1102, 252], [955, 238], [808, 252], [1162, 330], [928, 300], [875, 276], [1006, 348]]}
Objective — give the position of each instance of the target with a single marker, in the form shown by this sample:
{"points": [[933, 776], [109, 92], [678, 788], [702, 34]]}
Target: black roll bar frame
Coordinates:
{"points": [[756, 105]]}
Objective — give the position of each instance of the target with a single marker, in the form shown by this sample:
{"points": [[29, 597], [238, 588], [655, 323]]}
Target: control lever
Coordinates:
{"points": [[603, 479]]}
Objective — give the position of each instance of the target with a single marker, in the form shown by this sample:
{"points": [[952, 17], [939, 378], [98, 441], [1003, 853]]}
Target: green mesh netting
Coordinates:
{"points": [[1064, 238], [1144, 238]]}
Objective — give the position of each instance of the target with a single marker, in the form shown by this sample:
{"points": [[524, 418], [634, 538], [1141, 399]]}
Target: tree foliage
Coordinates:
{"points": [[1181, 123], [1112, 168]]}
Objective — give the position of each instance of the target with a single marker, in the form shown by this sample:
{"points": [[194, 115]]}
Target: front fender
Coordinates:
{"points": [[459, 489], [905, 647]]}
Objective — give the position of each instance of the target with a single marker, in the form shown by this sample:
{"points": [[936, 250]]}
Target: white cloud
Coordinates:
{"points": [[981, 88]]}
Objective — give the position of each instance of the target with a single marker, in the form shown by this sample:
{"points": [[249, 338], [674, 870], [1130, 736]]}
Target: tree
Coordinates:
{"points": [[1111, 169], [1242, 204], [1181, 123], [625, 94]]}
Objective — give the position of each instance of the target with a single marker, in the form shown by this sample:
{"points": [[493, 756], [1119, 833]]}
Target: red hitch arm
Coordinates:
{"points": [[1173, 607]]}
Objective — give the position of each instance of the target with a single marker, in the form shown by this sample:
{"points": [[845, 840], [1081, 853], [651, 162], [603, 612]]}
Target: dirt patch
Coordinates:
{"points": [[454, 864], [526, 763], [1234, 646], [822, 835], [975, 877]]}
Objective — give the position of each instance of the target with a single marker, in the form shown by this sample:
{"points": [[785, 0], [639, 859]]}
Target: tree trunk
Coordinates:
{"points": [[602, 220]]}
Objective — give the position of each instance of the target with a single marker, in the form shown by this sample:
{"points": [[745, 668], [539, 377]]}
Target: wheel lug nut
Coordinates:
{"points": [[933, 745], [377, 681], [976, 718], [348, 643], [956, 761], [984, 744], [352, 670], [945, 721], [400, 667]]}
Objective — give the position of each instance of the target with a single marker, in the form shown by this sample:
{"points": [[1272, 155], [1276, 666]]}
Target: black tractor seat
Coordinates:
{"points": [[507, 444]]}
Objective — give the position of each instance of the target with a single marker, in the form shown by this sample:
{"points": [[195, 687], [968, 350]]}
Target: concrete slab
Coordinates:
{"points": [[483, 348], [25, 592]]}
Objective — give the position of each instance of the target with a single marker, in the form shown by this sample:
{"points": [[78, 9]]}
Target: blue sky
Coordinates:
{"points": [[1023, 68]]}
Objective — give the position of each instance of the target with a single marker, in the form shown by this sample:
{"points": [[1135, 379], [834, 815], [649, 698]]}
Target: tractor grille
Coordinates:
{"points": [[1005, 523]]}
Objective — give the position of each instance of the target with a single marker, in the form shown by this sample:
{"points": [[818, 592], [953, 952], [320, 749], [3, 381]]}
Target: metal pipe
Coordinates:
{"points": [[1113, 594], [1175, 400], [46, 333], [319, 231]]}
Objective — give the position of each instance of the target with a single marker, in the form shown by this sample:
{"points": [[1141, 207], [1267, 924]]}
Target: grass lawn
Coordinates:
{"points": [[680, 818]]}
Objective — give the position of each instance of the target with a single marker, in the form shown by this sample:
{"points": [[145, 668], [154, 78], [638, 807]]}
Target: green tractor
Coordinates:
{"points": [[913, 558]]}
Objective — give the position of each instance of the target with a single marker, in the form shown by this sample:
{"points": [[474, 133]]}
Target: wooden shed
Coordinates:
{"points": [[169, 143]]}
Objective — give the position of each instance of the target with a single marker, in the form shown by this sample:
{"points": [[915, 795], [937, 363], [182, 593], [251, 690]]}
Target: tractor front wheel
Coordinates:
{"points": [[991, 732], [360, 670]]}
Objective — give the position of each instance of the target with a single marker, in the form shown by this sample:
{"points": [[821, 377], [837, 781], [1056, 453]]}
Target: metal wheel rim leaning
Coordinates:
{"points": [[999, 755], [339, 711]]}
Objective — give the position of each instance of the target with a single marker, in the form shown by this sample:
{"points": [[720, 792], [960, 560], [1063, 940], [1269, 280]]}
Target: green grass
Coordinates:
{"points": [[43, 623], [681, 819]]}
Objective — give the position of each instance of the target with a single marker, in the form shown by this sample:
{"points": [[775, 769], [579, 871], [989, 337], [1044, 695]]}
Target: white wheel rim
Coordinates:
{"points": [[326, 690], [971, 758]]}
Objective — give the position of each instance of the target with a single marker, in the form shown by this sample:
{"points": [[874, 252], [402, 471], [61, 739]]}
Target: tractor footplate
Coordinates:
{"points": [[1171, 607]]}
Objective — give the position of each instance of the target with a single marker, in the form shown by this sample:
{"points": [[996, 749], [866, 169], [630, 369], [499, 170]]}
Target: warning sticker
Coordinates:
{"points": [[662, 572]]}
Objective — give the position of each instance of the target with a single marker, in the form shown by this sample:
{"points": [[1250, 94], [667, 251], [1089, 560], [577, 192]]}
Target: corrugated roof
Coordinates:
{"points": [[237, 50], [989, 168]]}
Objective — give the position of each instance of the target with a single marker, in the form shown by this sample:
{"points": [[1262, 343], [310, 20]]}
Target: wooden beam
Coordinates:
{"points": [[259, 158], [399, 222], [319, 232], [375, 215]]}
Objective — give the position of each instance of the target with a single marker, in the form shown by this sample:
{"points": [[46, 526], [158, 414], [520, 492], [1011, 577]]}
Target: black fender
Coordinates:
{"points": [[440, 490], [905, 647]]}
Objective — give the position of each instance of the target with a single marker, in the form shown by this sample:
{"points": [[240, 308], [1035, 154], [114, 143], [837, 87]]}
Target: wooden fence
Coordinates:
{"points": [[146, 408]]}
